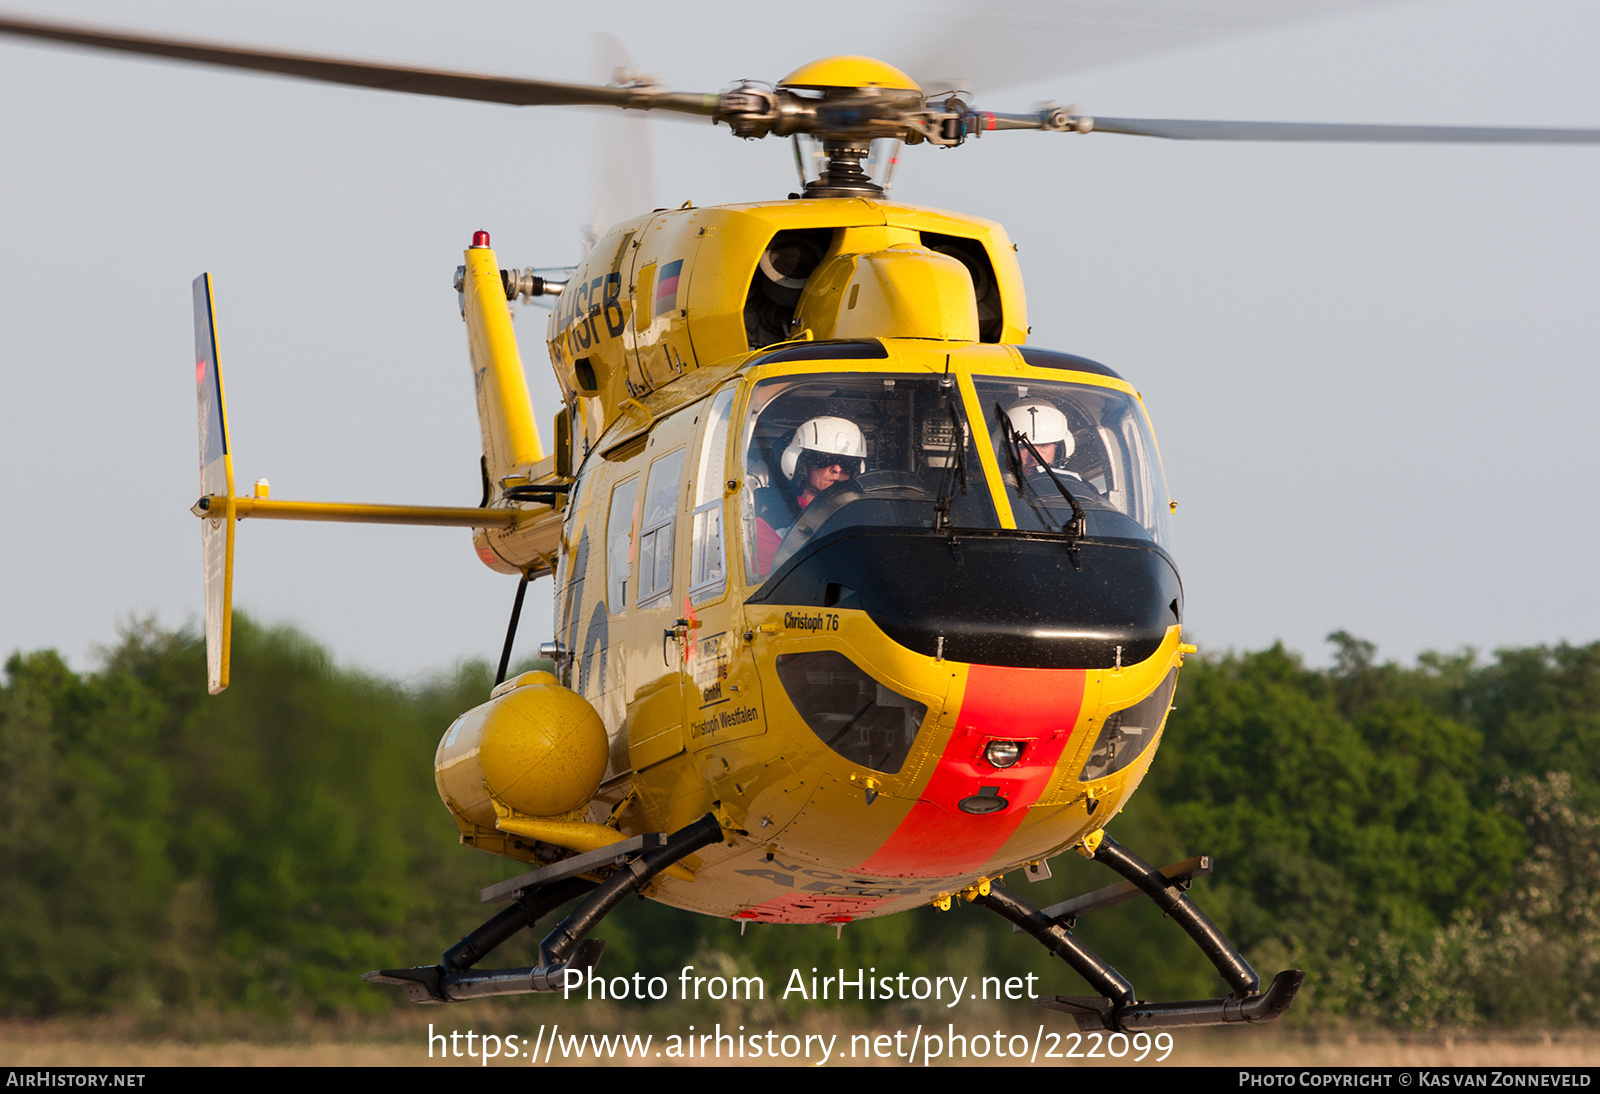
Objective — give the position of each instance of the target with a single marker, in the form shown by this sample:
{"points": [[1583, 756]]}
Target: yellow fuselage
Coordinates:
{"points": [[698, 655]]}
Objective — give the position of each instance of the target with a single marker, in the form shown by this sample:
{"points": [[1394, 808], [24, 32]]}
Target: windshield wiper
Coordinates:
{"points": [[1076, 528], [955, 471]]}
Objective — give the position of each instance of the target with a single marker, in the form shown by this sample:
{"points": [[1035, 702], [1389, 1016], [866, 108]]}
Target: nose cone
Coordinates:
{"points": [[992, 600]]}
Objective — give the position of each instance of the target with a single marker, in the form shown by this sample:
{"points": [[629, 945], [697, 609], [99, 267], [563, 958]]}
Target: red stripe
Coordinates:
{"points": [[1035, 706], [810, 908]]}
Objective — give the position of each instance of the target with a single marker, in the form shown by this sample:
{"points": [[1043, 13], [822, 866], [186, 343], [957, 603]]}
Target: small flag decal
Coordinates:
{"points": [[667, 287]]}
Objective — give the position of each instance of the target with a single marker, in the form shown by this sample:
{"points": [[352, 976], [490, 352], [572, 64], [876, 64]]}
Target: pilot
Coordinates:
{"points": [[824, 451], [1044, 425]]}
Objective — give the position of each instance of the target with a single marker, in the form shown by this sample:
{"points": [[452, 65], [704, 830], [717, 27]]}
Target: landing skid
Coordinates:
{"points": [[1117, 1007], [567, 956]]}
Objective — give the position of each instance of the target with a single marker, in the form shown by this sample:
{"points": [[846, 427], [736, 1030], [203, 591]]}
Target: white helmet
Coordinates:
{"points": [[827, 437], [1042, 423]]}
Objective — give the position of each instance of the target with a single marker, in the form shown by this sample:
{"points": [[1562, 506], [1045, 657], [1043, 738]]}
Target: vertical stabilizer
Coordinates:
{"points": [[216, 489]]}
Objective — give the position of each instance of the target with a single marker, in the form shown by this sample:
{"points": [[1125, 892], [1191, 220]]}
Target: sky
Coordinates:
{"points": [[1371, 369]]}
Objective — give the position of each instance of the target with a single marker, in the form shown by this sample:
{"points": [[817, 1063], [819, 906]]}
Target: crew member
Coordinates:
{"points": [[1044, 425], [824, 451]]}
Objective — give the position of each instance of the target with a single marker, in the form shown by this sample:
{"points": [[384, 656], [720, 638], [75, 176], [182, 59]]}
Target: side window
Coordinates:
{"points": [[656, 528], [708, 568], [619, 544]]}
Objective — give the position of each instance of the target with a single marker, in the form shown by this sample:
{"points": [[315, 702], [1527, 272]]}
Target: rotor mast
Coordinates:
{"points": [[845, 103]]}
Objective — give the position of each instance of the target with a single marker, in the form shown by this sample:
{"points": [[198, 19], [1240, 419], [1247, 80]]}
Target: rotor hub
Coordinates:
{"points": [[849, 72]]}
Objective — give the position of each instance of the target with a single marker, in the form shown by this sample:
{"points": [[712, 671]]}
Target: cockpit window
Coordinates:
{"points": [[828, 452], [1060, 443]]}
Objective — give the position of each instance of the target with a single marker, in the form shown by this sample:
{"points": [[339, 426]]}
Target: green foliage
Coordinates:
{"points": [[85, 810], [168, 850], [1378, 825], [1422, 840], [1532, 956], [1326, 791]]}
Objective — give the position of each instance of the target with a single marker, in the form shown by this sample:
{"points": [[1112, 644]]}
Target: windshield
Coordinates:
{"points": [[1058, 444], [893, 451]]}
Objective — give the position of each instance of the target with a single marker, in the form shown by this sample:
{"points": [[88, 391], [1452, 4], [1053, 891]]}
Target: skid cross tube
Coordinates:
{"points": [[451, 980], [1177, 905], [1179, 875], [1060, 941], [561, 943], [567, 957], [534, 906], [1116, 1008]]}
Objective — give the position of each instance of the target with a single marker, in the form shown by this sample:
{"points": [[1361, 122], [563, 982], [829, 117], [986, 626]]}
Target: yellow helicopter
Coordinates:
{"points": [[862, 603]]}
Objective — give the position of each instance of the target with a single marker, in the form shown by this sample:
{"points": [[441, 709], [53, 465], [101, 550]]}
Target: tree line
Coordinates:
{"points": [[1421, 839]]}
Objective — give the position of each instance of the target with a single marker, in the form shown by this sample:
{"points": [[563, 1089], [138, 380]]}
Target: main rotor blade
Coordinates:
{"points": [[1002, 43], [382, 77], [625, 167], [1194, 130]]}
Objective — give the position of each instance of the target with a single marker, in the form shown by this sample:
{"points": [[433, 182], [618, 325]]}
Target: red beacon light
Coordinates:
{"points": [[480, 239]]}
